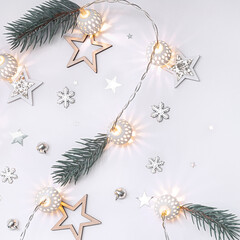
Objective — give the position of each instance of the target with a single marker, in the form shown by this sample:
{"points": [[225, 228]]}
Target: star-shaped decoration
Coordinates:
{"points": [[144, 200], [184, 69], [155, 164], [112, 84], [18, 137], [129, 36], [160, 112], [73, 60], [91, 220], [23, 87]]}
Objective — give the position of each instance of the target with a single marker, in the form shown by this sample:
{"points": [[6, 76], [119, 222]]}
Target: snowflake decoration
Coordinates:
{"points": [[66, 97], [160, 112], [155, 164], [8, 175]]}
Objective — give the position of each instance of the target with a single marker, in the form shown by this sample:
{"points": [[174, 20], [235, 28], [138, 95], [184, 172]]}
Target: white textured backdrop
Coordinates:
{"points": [[207, 28]]}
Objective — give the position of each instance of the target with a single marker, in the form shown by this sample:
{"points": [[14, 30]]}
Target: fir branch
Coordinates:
{"points": [[222, 224], [41, 23], [79, 160]]}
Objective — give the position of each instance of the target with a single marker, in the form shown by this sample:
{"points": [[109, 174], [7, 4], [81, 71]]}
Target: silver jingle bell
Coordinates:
{"points": [[120, 193], [13, 224], [42, 148]]}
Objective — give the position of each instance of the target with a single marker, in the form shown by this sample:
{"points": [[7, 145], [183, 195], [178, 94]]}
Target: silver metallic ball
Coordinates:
{"points": [[50, 199], [89, 21], [42, 148], [122, 133], [162, 54], [120, 193], [8, 66], [167, 204], [13, 224]]}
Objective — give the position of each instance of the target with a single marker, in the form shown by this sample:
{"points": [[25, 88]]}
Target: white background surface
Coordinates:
{"points": [[206, 28]]}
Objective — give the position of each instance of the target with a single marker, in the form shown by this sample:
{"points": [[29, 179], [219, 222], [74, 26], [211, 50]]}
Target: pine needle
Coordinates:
{"points": [[42, 23], [79, 160], [222, 224]]}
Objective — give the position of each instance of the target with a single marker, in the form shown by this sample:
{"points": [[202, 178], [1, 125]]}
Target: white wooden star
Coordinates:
{"points": [[18, 137], [112, 84], [23, 87], [184, 68], [144, 200]]}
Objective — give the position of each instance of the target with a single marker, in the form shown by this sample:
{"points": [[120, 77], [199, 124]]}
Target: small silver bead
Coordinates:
{"points": [[42, 148], [13, 224], [120, 193]]}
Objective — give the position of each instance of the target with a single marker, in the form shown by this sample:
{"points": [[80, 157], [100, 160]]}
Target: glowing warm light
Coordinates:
{"points": [[2, 59], [117, 130], [164, 211], [84, 13], [45, 201], [159, 48], [49, 198], [121, 134]]}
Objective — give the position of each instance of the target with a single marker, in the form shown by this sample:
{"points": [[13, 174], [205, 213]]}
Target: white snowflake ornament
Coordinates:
{"points": [[8, 175], [66, 97], [155, 164], [160, 112]]}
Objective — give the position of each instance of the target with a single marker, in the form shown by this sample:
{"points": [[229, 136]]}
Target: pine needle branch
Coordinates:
{"points": [[41, 23], [222, 224], [79, 160]]}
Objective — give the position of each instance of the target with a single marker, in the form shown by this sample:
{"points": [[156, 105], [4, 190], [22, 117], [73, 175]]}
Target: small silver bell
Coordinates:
{"points": [[13, 224], [42, 148], [120, 193]]}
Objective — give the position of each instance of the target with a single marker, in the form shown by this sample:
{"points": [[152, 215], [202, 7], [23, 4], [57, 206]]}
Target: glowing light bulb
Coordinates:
{"points": [[84, 13], [89, 21], [8, 66], [122, 133], [117, 130], [167, 206], [164, 211], [162, 54], [159, 48], [49, 198], [2, 59]]}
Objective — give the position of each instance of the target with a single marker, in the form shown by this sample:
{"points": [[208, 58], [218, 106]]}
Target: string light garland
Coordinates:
{"points": [[49, 19], [221, 223]]}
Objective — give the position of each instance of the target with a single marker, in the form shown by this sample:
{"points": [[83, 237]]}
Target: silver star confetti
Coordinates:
{"points": [[160, 112], [112, 84], [18, 137], [155, 164], [66, 97], [8, 175], [23, 88], [129, 36], [144, 200], [184, 69]]}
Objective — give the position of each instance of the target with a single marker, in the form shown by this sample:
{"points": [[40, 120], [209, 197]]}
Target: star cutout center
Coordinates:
{"points": [[74, 60], [78, 234]]}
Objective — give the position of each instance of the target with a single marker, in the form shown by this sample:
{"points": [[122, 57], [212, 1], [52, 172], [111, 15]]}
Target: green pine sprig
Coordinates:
{"points": [[41, 23], [222, 224], [79, 160]]}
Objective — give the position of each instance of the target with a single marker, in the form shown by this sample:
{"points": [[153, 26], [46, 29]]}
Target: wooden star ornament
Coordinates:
{"points": [[74, 60], [92, 221]]}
